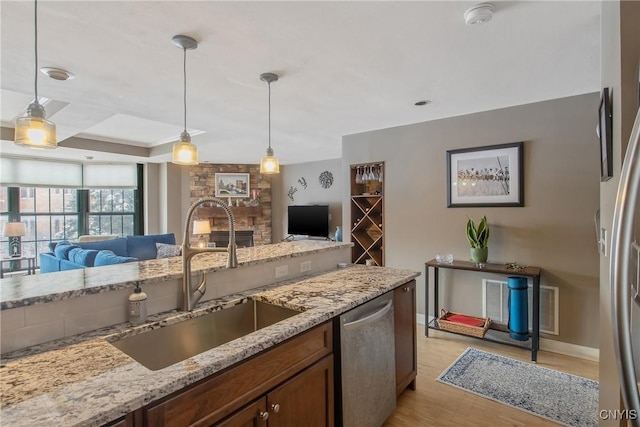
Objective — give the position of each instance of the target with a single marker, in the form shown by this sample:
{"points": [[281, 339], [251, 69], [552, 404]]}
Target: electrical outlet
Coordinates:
{"points": [[603, 241], [282, 271], [305, 266]]}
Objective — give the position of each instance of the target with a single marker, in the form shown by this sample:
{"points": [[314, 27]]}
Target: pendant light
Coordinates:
{"points": [[34, 130], [184, 152], [269, 164]]}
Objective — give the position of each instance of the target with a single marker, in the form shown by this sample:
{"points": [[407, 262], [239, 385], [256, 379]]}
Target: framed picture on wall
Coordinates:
{"points": [[232, 185], [486, 176], [605, 119]]}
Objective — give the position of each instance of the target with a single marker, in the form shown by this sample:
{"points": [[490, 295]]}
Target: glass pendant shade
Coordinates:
{"points": [[185, 152], [269, 163], [35, 132]]}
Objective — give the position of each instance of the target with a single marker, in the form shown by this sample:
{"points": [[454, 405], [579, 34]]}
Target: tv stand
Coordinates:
{"points": [[291, 238]]}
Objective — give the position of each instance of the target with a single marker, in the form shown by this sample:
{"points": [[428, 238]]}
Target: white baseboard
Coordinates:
{"points": [[567, 349], [420, 318]]}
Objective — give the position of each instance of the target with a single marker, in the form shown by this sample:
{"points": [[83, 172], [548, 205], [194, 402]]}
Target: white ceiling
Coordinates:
{"points": [[345, 67]]}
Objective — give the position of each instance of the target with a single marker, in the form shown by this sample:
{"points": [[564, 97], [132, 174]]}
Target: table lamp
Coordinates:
{"points": [[13, 230], [201, 227]]}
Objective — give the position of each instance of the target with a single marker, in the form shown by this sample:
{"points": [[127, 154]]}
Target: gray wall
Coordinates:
{"points": [[554, 230], [314, 193], [620, 53]]}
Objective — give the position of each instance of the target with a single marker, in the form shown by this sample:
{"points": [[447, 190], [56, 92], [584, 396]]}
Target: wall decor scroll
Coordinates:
{"points": [[326, 179]]}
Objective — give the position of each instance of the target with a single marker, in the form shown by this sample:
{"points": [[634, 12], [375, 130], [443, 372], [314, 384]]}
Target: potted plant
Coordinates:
{"points": [[478, 238]]}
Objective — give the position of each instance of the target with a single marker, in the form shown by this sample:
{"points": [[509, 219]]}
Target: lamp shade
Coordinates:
{"points": [[14, 229], [201, 227]]}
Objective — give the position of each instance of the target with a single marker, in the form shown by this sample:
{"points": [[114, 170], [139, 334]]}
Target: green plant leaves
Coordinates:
{"points": [[478, 237]]}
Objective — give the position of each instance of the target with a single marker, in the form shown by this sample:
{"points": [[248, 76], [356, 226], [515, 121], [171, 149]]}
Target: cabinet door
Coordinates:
{"points": [[253, 415], [404, 309], [304, 400]]}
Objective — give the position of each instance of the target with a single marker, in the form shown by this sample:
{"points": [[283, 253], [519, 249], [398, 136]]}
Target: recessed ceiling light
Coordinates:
{"points": [[421, 103], [479, 14], [58, 73]]}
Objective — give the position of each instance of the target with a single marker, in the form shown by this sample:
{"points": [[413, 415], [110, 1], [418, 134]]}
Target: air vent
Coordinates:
{"points": [[495, 305]]}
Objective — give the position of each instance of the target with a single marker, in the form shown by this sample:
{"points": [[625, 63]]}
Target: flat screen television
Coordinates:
{"points": [[308, 220]]}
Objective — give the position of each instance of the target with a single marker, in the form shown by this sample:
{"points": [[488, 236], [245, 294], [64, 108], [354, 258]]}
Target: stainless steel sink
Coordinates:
{"points": [[159, 348]]}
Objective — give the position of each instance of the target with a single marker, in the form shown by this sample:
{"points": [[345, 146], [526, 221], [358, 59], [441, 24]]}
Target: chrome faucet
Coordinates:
{"points": [[191, 297]]}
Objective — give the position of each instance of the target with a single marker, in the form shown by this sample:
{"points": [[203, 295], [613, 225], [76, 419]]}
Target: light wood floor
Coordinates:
{"points": [[437, 404]]}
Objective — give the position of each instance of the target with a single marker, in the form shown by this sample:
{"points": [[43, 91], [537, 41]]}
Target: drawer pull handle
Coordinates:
{"points": [[405, 289], [264, 415], [275, 408]]}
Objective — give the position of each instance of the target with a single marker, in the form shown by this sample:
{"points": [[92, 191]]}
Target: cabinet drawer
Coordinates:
{"points": [[216, 397]]}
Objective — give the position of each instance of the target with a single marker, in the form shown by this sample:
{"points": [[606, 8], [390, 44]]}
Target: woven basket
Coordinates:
{"points": [[474, 331]]}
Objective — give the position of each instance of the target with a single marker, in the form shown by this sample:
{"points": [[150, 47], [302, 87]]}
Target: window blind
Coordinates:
{"points": [[16, 172], [19, 172], [109, 176]]}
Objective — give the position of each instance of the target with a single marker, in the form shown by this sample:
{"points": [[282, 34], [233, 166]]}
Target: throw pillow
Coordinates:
{"points": [[107, 257], [52, 245], [81, 256], [165, 250], [62, 250]]}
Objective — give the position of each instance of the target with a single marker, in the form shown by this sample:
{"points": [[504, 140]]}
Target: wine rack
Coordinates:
{"points": [[367, 214]]}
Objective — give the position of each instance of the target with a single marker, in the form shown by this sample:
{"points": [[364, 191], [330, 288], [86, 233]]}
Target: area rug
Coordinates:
{"points": [[564, 398]]}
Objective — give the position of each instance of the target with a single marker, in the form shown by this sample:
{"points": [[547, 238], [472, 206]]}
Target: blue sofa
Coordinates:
{"points": [[67, 255]]}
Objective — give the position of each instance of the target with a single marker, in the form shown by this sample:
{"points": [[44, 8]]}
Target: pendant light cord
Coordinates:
{"points": [[35, 19], [184, 73], [269, 84]]}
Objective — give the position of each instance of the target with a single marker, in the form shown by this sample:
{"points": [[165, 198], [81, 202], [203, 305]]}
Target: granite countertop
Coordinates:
{"points": [[28, 290], [85, 381]]}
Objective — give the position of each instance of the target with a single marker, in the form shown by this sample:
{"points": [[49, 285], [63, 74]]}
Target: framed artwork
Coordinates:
{"points": [[605, 119], [486, 176], [232, 185]]}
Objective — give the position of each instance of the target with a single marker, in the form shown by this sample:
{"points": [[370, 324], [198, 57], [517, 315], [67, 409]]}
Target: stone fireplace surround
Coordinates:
{"points": [[254, 218]]}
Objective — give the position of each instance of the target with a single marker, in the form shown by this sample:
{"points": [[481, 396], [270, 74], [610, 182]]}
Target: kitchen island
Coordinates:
{"points": [[84, 380]]}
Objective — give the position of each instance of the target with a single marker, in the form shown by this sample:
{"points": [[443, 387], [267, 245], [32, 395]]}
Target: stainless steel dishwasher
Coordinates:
{"points": [[367, 358]]}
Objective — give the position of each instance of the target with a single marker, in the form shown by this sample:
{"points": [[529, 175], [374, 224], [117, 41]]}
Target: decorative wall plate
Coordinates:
{"points": [[326, 179]]}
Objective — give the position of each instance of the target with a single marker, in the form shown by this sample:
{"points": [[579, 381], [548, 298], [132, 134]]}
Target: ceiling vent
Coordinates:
{"points": [[479, 14]]}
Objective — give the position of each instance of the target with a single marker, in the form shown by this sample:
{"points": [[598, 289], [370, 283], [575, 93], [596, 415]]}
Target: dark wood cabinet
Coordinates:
{"points": [[212, 399], [404, 309], [253, 415], [306, 399]]}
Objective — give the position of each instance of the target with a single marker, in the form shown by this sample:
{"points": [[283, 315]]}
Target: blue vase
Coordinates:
{"points": [[338, 235], [518, 308]]}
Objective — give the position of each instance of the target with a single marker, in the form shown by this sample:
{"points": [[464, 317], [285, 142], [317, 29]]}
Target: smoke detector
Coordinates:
{"points": [[479, 14], [58, 73]]}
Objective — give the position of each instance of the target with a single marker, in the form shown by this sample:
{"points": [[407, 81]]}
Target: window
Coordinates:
{"points": [[54, 214], [111, 212]]}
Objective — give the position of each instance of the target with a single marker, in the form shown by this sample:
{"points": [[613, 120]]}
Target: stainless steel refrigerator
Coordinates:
{"points": [[625, 277]]}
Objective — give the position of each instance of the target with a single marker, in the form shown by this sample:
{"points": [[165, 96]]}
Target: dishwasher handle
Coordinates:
{"points": [[370, 318]]}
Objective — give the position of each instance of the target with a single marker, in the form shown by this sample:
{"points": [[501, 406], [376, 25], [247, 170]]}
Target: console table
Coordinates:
{"points": [[31, 264], [492, 335]]}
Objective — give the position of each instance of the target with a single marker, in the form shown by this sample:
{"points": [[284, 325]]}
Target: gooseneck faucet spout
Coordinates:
{"points": [[190, 296]]}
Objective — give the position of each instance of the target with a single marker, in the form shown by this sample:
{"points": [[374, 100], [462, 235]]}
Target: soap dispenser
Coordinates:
{"points": [[137, 306]]}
